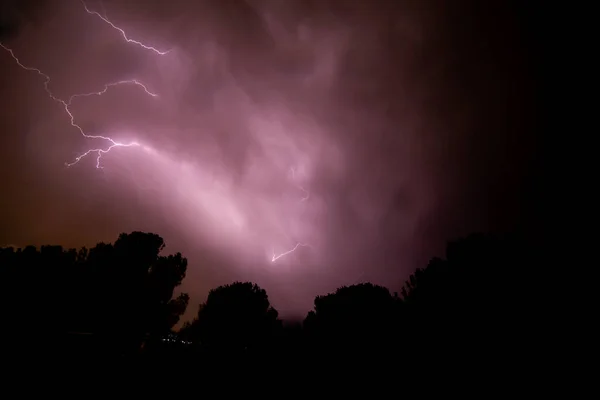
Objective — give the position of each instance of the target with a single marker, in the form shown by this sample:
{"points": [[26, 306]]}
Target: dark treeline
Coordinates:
{"points": [[122, 293], [473, 307]]}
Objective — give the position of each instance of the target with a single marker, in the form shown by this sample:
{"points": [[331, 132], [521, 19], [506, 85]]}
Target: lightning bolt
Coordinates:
{"points": [[113, 144], [276, 257], [66, 104], [122, 32]]}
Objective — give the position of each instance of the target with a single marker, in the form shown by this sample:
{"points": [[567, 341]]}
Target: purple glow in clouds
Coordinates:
{"points": [[301, 145], [229, 214]]}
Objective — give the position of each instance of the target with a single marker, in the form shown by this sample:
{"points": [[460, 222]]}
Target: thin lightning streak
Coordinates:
{"points": [[99, 152], [275, 256], [109, 85], [278, 256], [46, 77], [127, 39], [113, 143], [67, 104]]}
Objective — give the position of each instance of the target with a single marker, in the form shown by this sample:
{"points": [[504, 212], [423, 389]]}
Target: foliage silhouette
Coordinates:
{"points": [[235, 318], [122, 293], [475, 305], [358, 319]]}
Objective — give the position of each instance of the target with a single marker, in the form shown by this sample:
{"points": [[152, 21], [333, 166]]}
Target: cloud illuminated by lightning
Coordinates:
{"points": [[111, 142], [67, 103]]}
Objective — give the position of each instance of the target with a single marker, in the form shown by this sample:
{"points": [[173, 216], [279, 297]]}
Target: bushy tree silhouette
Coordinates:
{"points": [[473, 303], [235, 318], [357, 320], [121, 293], [473, 306]]}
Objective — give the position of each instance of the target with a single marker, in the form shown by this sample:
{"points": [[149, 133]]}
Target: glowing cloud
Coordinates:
{"points": [[227, 209]]}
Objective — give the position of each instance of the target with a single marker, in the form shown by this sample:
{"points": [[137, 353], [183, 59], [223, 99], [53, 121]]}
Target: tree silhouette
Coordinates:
{"points": [[473, 306], [122, 293], [235, 318], [357, 319], [472, 303], [141, 286]]}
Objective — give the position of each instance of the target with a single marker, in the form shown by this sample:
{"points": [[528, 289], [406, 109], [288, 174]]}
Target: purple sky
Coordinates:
{"points": [[370, 132]]}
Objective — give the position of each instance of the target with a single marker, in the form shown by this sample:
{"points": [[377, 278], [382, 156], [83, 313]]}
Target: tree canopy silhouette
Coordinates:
{"points": [[474, 298], [235, 317], [357, 318], [472, 305], [122, 291]]}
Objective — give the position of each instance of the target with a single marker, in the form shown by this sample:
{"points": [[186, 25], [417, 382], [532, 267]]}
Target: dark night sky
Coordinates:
{"points": [[408, 123]]}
